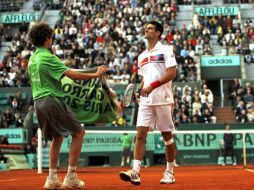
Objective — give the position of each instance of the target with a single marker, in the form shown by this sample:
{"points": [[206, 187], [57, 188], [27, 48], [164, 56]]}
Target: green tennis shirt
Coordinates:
{"points": [[126, 141], [45, 71]]}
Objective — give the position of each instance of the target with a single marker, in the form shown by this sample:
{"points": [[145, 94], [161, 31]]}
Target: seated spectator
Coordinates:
{"points": [[239, 108], [207, 98], [248, 98], [4, 140], [3, 158], [207, 50], [242, 117], [196, 106], [8, 116], [248, 87], [206, 116], [196, 116], [18, 120], [250, 114]]}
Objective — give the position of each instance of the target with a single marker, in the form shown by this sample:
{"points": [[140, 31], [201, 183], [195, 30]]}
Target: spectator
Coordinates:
{"points": [[3, 158], [18, 120]]}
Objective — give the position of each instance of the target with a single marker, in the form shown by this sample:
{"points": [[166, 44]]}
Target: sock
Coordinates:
{"points": [[53, 174], [136, 165], [71, 172], [170, 167]]}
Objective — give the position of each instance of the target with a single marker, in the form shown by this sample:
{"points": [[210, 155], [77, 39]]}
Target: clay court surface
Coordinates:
{"points": [[99, 178]]}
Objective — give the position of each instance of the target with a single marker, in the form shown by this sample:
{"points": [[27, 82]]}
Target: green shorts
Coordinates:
{"points": [[55, 118]]}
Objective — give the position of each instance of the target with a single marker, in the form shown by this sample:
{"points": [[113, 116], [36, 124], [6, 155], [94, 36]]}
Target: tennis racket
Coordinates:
{"points": [[129, 95]]}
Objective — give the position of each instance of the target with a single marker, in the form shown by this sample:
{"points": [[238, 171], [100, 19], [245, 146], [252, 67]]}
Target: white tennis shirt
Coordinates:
{"points": [[152, 66]]}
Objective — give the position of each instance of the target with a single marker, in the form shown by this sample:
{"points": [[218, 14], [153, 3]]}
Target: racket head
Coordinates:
{"points": [[128, 95]]}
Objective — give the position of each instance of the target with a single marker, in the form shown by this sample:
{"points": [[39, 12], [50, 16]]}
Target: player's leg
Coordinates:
{"points": [[52, 181], [128, 157], [170, 153], [232, 156], [144, 120], [165, 124], [70, 125], [225, 156], [47, 112], [71, 179], [139, 151]]}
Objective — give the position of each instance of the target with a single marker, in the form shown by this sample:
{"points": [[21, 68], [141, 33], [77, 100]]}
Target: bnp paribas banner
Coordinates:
{"points": [[105, 142], [204, 148], [89, 100], [202, 141]]}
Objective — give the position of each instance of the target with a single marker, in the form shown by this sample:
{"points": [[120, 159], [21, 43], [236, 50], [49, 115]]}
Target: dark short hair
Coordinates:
{"points": [[158, 27], [39, 33]]}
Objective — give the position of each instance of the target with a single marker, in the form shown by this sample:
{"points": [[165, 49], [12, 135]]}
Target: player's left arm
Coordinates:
{"points": [[169, 75]]}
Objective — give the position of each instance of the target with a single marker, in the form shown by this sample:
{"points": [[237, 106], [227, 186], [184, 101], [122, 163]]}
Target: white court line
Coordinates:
{"points": [[250, 170], [6, 180]]}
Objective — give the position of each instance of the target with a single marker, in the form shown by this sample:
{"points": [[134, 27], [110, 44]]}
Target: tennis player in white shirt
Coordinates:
{"points": [[157, 66]]}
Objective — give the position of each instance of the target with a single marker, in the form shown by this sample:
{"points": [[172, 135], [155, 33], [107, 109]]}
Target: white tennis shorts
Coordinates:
{"points": [[156, 115]]}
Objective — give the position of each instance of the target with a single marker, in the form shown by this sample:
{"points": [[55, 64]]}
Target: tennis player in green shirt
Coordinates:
{"points": [[55, 118]]}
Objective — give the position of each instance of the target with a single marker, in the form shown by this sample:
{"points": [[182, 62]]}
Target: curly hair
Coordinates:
{"points": [[39, 33]]}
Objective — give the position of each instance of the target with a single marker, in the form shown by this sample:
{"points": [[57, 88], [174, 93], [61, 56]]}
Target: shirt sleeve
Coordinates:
{"points": [[169, 56], [54, 66]]}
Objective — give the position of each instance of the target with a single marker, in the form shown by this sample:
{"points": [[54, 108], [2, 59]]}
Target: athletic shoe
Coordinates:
{"points": [[74, 183], [53, 184], [234, 164], [132, 176], [167, 178]]}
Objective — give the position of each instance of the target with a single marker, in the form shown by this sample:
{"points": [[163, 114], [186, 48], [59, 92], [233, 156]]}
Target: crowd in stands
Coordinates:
{"points": [[195, 2], [11, 5], [234, 36], [242, 97], [193, 105], [91, 33], [11, 114]]}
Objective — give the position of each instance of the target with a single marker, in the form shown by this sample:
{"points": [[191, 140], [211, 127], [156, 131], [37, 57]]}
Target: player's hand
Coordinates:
{"points": [[146, 91], [136, 97], [101, 70]]}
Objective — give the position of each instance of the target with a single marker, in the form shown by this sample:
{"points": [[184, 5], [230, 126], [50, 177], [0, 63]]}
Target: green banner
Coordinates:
{"points": [[103, 142], [216, 11], [19, 17], [220, 61], [110, 142], [89, 100], [202, 142], [15, 136]]}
